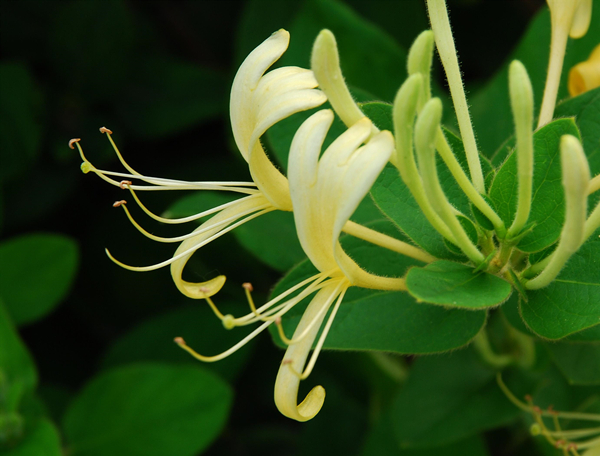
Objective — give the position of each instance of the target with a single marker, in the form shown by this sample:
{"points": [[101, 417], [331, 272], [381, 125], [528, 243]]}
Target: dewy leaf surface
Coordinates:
{"points": [[36, 272], [383, 320], [456, 285], [572, 302], [580, 363], [447, 398], [148, 410], [547, 207]]}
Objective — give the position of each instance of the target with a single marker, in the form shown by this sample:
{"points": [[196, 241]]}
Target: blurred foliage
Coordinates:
{"points": [[87, 363]]}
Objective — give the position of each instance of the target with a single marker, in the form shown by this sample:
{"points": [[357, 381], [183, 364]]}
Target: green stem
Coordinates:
{"points": [[465, 184], [387, 242], [438, 15], [484, 348]]}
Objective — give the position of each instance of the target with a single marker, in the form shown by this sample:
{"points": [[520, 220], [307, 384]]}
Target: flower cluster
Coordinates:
{"points": [[323, 188]]}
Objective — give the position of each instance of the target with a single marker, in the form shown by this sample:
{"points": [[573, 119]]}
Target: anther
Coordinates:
{"points": [[118, 203], [105, 130], [559, 443], [124, 184], [73, 141], [536, 410], [179, 341], [248, 286], [551, 410], [286, 361], [528, 398]]}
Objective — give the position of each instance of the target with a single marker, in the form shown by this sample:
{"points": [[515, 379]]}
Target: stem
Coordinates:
{"points": [[592, 223], [465, 184], [484, 348], [594, 185], [387, 242], [558, 45], [438, 16]]}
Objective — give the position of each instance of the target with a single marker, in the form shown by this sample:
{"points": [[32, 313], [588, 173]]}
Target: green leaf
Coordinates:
{"points": [[149, 410], [152, 340], [456, 285], [380, 114], [580, 363], [381, 441], [20, 127], [42, 440], [18, 375], [570, 303], [490, 106], [448, 398], [547, 206], [171, 95], [383, 320], [36, 272]]}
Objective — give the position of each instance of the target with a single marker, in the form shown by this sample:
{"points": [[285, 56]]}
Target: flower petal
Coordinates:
{"points": [[201, 290]]}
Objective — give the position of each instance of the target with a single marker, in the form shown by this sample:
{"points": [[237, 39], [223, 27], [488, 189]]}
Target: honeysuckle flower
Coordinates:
{"points": [[325, 192], [258, 101], [569, 18], [585, 75]]}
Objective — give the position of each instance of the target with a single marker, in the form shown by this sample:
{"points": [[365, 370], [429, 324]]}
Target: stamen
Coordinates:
{"points": [[317, 351], [209, 359], [273, 313], [125, 184], [248, 288], [119, 203], [188, 251], [214, 308], [185, 219], [74, 140], [304, 333], [193, 233], [105, 130]]}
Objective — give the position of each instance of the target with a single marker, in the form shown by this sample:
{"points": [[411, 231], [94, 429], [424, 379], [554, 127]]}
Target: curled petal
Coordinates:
{"points": [[201, 290], [288, 377]]}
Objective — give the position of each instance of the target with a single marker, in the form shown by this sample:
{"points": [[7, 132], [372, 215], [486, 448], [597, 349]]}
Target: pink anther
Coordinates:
{"points": [[124, 184], [118, 203], [105, 130], [278, 320], [551, 410], [179, 341], [528, 398], [73, 141], [248, 286]]}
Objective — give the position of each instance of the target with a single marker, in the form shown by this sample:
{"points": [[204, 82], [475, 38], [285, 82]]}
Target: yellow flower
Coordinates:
{"points": [[585, 75], [325, 192], [258, 101]]}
